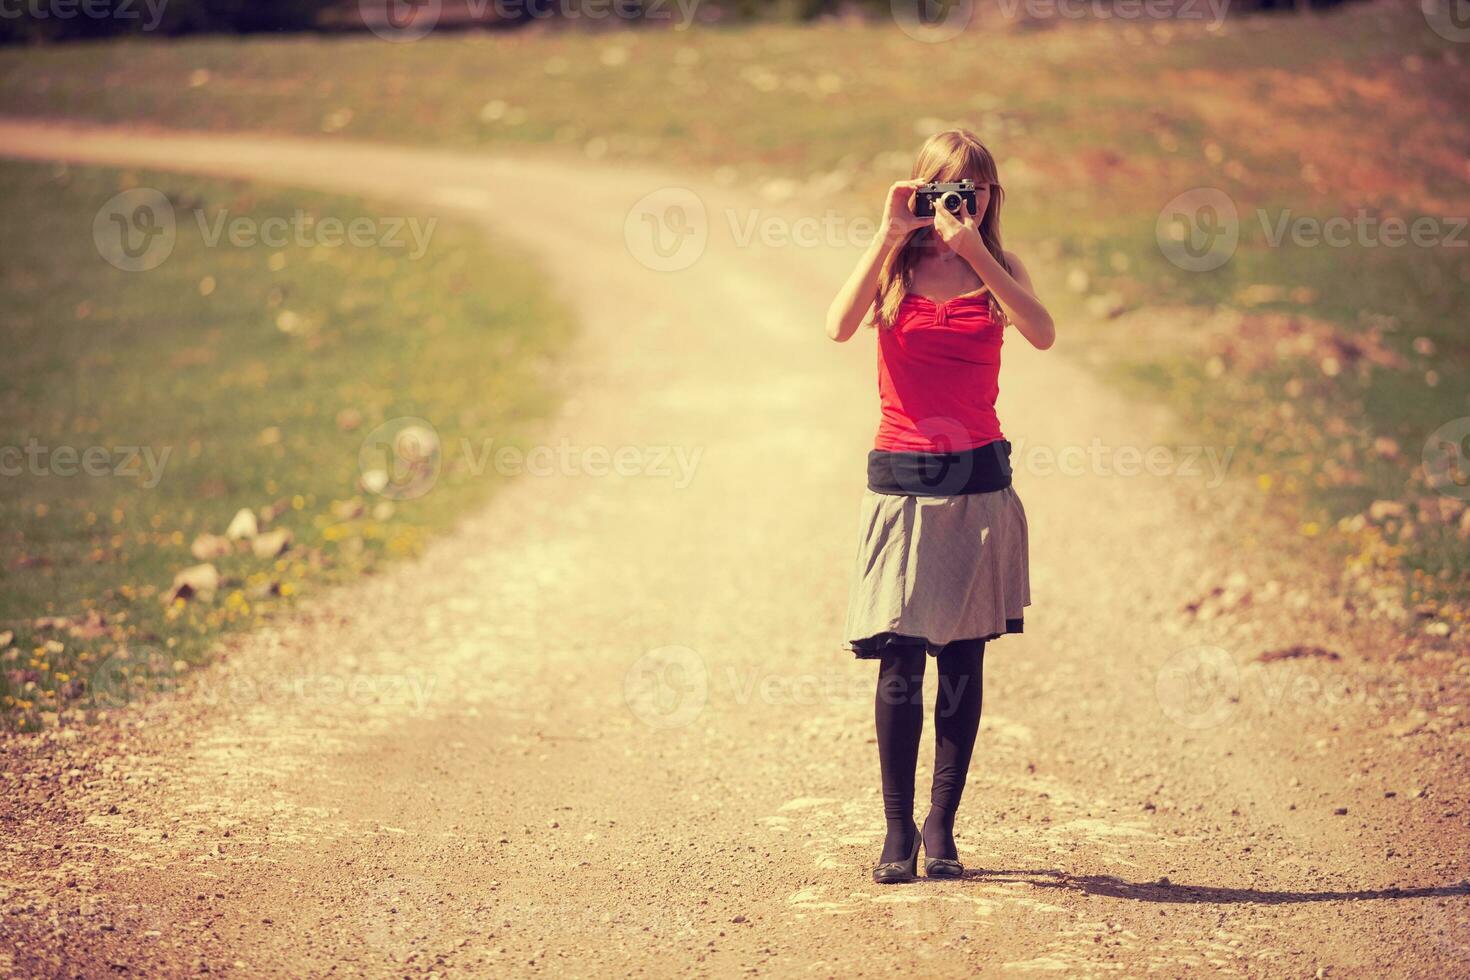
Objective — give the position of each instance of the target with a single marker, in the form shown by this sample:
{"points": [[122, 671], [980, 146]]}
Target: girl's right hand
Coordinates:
{"points": [[898, 216]]}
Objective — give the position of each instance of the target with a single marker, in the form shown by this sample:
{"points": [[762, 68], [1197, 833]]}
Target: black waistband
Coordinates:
{"points": [[983, 469]]}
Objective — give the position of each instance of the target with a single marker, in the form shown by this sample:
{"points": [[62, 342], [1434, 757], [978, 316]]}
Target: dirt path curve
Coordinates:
{"points": [[544, 793]]}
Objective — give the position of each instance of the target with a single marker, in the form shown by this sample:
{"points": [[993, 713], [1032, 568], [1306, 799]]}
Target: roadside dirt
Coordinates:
{"points": [[608, 727]]}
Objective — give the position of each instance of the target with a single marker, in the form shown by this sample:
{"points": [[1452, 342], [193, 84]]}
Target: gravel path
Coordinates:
{"points": [[608, 726]]}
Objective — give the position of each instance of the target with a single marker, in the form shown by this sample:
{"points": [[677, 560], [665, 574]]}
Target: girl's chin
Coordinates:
{"points": [[935, 246]]}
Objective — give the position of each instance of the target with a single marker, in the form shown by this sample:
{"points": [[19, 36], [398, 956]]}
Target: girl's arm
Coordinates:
{"points": [[857, 295], [1013, 289]]}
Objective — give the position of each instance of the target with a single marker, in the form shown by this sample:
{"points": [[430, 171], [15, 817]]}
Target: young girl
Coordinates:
{"points": [[942, 562]]}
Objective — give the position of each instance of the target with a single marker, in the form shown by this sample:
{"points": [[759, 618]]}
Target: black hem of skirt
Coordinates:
{"points": [[873, 647]]}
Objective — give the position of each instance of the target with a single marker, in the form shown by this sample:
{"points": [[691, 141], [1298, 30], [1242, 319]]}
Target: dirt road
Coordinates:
{"points": [[608, 727]]}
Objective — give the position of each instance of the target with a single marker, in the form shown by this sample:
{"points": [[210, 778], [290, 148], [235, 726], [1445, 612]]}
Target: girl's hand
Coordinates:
{"points": [[898, 214], [956, 232]]}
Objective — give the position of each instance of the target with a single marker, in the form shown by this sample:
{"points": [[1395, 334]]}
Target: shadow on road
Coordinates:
{"points": [[1164, 890]]}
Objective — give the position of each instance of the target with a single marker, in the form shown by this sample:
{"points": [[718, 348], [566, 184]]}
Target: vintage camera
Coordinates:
{"points": [[951, 197]]}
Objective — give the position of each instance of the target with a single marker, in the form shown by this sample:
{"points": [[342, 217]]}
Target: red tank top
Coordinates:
{"points": [[939, 374]]}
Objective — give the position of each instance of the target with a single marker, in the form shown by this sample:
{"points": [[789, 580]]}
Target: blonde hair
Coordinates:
{"points": [[955, 154]]}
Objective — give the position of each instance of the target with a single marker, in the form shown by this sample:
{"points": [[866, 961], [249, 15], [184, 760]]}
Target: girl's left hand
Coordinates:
{"points": [[954, 230]]}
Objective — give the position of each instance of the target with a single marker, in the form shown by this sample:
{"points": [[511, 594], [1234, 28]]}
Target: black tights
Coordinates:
{"points": [[899, 711]]}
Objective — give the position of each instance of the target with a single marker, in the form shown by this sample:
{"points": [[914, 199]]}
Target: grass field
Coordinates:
{"points": [[1328, 367], [229, 377]]}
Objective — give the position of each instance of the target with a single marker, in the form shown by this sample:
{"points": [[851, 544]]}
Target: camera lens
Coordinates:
{"points": [[952, 202]]}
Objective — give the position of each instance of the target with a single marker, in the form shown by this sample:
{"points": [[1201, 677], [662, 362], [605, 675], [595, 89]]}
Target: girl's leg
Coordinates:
{"points": [[899, 712], [956, 723]]}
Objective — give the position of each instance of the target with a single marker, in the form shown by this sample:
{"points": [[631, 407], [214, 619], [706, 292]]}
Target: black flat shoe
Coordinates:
{"points": [[894, 872], [943, 868]]}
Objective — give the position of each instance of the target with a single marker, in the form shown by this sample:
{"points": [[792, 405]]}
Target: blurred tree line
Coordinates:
{"points": [[39, 21]]}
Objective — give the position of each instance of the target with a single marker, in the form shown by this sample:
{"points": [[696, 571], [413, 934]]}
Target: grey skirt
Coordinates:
{"points": [[937, 569]]}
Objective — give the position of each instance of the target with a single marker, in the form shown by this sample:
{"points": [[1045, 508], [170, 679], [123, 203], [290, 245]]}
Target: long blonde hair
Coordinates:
{"points": [[955, 154]]}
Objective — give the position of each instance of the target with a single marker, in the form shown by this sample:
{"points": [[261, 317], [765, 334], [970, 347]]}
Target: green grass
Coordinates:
{"points": [[1096, 127], [253, 375]]}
